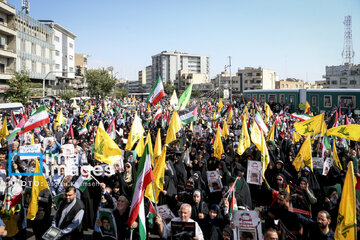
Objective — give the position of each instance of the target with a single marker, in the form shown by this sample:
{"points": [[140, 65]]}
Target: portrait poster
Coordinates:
{"points": [[27, 197], [107, 226], [254, 170], [68, 149], [165, 213], [327, 165], [182, 230], [215, 184]]}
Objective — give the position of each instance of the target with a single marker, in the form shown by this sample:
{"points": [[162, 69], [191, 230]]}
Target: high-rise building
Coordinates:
{"points": [[256, 78], [342, 76], [167, 64], [7, 44]]}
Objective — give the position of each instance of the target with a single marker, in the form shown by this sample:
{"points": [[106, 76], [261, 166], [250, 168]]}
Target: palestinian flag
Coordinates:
{"points": [[302, 117], [260, 123], [156, 93], [233, 204], [14, 133], [189, 117], [71, 132], [13, 120], [37, 119], [111, 130], [83, 131], [82, 181], [152, 213]]}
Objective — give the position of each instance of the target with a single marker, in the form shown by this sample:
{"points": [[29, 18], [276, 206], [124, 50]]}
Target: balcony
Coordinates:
{"points": [[6, 75], [7, 30], [7, 9], [7, 53]]}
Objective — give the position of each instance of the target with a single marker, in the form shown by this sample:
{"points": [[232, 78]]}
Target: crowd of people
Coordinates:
{"points": [[291, 204]]}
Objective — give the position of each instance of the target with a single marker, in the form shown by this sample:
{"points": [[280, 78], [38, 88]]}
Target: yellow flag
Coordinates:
{"points": [[351, 131], [148, 141], [159, 173], [32, 139], [4, 130], [136, 132], [225, 130], [256, 135], [304, 157], [246, 112], [336, 163], [59, 120], [231, 114], [296, 137], [270, 137], [311, 126], [105, 150], [346, 220], [174, 127], [157, 148], [74, 105], [220, 106], [148, 108], [191, 127], [174, 100], [265, 158], [307, 108], [106, 109], [38, 184], [244, 139], [268, 112], [218, 146], [87, 117], [140, 147]]}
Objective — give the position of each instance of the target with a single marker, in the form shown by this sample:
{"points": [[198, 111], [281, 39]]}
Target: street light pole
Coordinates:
{"points": [[48, 75], [230, 79]]}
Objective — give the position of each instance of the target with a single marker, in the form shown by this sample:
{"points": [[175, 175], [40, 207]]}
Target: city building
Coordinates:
{"points": [[167, 64], [226, 82], [145, 80], [81, 64], [7, 45], [133, 86], [316, 85], [200, 81], [342, 76], [34, 48], [289, 83]]}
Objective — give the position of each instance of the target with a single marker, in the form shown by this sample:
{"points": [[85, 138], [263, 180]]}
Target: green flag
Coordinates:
{"points": [[185, 98]]}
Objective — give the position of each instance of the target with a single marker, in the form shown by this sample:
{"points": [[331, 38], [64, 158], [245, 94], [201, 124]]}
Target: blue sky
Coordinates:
{"points": [[294, 38]]}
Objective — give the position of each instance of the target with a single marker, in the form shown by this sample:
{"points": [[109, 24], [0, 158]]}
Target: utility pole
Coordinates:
{"points": [[230, 79]]}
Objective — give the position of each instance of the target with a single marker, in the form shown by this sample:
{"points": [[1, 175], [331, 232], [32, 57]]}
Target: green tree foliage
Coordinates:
{"points": [[121, 92], [19, 90], [67, 95], [100, 83], [196, 93], [169, 88]]}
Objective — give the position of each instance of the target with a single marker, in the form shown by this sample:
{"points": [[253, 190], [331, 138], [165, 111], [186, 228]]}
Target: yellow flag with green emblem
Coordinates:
{"points": [[225, 130], [268, 112], [4, 130], [218, 146], [311, 126], [336, 163], [105, 150], [140, 147], [256, 135], [270, 137], [244, 139], [304, 157], [220, 106], [346, 220], [136, 132], [265, 158], [148, 141], [157, 148], [350, 131], [159, 173]]}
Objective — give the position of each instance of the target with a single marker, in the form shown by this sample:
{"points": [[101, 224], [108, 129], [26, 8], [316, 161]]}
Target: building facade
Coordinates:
{"points": [[167, 64], [200, 81], [343, 76], [7, 45], [224, 81], [256, 78], [289, 83], [35, 48]]}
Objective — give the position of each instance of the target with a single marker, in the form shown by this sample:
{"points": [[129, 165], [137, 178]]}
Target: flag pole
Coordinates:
{"points": [[153, 187]]}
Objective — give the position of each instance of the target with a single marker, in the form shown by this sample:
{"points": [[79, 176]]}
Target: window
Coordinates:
{"points": [[2, 42], [296, 85], [313, 101], [2, 21], [71, 69], [282, 98], [287, 85], [346, 101], [2, 68], [57, 66], [22, 45], [23, 64], [71, 45], [33, 66], [42, 51], [57, 53], [258, 74], [292, 99], [262, 97], [272, 98], [353, 82], [254, 96], [282, 85], [43, 68], [57, 39], [33, 48], [327, 101], [249, 74], [70, 57], [248, 97], [334, 82]]}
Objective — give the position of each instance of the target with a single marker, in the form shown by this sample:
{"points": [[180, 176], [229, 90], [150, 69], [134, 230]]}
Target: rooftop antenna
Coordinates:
{"points": [[25, 6], [348, 52]]}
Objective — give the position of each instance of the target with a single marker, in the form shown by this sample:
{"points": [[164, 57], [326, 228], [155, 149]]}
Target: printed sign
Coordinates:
{"points": [[165, 213], [68, 149], [107, 224], [327, 165], [254, 170], [36, 148], [182, 230], [215, 184]]}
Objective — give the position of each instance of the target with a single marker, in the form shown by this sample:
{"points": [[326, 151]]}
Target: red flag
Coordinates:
{"points": [[14, 122], [71, 132], [347, 120]]}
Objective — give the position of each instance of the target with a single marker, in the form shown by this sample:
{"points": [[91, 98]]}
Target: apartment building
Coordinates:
{"points": [[289, 83], [200, 81], [256, 78], [342, 76]]}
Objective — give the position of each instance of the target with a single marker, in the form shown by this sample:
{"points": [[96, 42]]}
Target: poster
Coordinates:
{"points": [[107, 223], [327, 165], [254, 170], [68, 149], [246, 234], [182, 230], [248, 224], [318, 163], [197, 130], [298, 202], [215, 184], [27, 197], [165, 213], [36, 148]]}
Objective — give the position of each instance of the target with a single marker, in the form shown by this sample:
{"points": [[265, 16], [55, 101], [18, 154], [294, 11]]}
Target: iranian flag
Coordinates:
{"points": [[144, 176], [83, 131], [111, 130], [156, 93], [189, 117], [302, 117], [260, 123], [158, 114], [37, 119]]}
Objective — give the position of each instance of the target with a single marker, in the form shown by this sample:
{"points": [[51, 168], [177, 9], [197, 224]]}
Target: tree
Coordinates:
{"points": [[196, 93], [121, 92], [67, 95], [169, 88], [100, 83], [19, 88]]}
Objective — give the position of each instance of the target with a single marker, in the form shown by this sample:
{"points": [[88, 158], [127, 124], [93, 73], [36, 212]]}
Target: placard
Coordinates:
{"points": [[254, 169], [27, 197], [68, 149], [198, 130], [318, 163], [327, 165], [214, 180], [182, 230], [165, 213], [248, 224], [107, 223], [53, 233], [36, 148]]}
